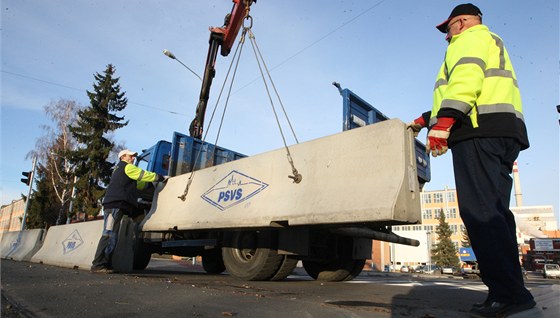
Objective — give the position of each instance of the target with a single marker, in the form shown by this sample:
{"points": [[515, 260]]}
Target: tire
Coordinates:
{"points": [[142, 251], [252, 255], [358, 267], [285, 269], [212, 261], [142, 255], [333, 270]]}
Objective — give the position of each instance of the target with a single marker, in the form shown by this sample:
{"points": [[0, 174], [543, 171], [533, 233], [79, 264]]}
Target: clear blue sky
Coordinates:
{"points": [[388, 52]]}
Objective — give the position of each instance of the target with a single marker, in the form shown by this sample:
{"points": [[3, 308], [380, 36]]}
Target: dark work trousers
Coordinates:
{"points": [[111, 223], [482, 169]]}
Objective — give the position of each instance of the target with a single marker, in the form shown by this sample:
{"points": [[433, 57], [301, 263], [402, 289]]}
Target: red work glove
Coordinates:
{"points": [[416, 125], [437, 137]]}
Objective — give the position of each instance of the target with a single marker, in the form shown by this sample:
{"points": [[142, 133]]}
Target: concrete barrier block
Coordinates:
{"points": [[7, 243], [21, 245], [70, 245], [74, 245]]}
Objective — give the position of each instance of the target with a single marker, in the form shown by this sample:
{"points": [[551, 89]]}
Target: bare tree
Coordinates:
{"points": [[53, 147]]}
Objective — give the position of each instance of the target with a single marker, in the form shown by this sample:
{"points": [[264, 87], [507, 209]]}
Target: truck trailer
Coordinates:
{"points": [[245, 215]]}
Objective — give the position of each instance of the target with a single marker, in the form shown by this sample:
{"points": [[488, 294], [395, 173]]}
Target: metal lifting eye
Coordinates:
{"points": [[250, 19], [297, 178]]}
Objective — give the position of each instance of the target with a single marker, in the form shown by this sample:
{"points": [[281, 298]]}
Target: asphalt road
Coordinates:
{"points": [[179, 289]]}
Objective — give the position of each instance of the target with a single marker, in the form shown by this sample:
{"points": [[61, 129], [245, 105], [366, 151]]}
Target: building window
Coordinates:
{"points": [[450, 196], [427, 214], [426, 198], [451, 213], [429, 228], [438, 197], [417, 228], [453, 228]]}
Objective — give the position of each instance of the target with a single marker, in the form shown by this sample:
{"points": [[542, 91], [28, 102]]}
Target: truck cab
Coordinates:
{"points": [[156, 158]]}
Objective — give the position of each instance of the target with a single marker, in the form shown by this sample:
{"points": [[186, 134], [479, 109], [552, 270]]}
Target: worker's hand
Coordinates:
{"points": [[436, 142], [162, 178], [416, 125]]}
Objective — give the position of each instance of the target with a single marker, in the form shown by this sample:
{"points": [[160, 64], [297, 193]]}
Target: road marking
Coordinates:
{"points": [[477, 286]]}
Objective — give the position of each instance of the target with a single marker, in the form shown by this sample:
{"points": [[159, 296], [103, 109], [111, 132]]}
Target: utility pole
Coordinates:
{"points": [[29, 182]]}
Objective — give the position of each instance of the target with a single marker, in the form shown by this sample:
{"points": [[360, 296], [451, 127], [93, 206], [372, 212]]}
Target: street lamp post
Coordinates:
{"points": [[172, 56]]}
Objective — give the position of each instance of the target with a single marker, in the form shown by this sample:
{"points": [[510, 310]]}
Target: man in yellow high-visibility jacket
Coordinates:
{"points": [[120, 199], [477, 113]]}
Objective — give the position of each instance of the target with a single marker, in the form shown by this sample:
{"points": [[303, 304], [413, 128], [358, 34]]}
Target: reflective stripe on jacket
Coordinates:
{"points": [[477, 85]]}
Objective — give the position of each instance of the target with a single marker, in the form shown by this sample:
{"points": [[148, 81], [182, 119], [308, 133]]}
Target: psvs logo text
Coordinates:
{"points": [[230, 195], [233, 189]]}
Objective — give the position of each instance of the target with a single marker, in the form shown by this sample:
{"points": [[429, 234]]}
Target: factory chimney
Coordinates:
{"points": [[517, 186]]}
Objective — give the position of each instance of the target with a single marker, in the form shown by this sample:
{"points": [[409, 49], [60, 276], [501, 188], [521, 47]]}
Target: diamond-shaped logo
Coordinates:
{"points": [[233, 189], [72, 242]]}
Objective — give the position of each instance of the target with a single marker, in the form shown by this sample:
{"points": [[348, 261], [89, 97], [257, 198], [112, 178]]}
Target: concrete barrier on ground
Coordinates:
{"points": [[74, 245], [21, 245], [70, 245]]}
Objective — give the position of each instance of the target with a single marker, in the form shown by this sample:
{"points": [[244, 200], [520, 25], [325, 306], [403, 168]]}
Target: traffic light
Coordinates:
{"points": [[27, 176]]}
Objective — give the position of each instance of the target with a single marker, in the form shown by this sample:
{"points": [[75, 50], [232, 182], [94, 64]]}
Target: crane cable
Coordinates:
{"points": [[235, 59], [296, 177]]}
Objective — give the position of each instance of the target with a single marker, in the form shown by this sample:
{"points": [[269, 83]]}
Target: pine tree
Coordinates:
{"points": [[444, 253], [43, 210], [91, 131]]}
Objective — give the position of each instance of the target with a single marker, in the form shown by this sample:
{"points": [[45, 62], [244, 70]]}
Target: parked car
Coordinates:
{"points": [[551, 271], [429, 269], [448, 270], [405, 269]]}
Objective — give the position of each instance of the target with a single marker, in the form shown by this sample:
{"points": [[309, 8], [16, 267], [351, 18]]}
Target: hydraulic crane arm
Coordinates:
{"points": [[219, 37]]}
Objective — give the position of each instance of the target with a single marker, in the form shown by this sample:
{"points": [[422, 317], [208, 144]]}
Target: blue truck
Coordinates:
{"points": [[332, 247]]}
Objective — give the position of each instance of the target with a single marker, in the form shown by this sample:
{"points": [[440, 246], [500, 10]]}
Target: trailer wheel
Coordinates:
{"points": [[358, 267], [251, 255], [285, 269], [212, 261], [334, 270], [142, 251], [142, 255]]}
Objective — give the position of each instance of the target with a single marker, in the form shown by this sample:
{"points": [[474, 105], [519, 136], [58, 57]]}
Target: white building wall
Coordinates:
{"points": [[411, 255], [532, 220]]}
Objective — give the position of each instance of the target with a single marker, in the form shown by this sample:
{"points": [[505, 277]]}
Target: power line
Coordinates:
{"points": [[83, 91], [305, 48]]}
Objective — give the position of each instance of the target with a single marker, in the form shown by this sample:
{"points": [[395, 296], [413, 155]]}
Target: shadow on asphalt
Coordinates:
{"points": [[438, 301]]}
